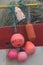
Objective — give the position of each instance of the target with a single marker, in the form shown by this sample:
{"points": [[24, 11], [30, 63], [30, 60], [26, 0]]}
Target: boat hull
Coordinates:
{"points": [[7, 31]]}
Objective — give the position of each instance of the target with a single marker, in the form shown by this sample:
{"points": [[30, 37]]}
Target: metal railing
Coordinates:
{"points": [[7, 6]]}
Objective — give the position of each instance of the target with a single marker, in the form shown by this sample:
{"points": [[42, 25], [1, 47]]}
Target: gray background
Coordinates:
{"points": [[35, 59]]}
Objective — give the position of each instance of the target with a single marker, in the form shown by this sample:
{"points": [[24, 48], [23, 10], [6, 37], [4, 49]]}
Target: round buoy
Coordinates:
{"points": [[12, 54], [29, 48], [17, 40], [22, 56]]}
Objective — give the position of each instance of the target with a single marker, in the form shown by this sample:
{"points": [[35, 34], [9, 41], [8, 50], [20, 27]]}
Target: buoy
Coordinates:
{"points": [[22, 56], [29, 48], [30, 32], [19, 14], [12, 54], [17, 40]]}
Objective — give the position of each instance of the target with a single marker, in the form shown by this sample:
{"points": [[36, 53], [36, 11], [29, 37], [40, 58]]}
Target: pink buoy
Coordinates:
{"points": [[17, 40], [12, 54], [29, 48], [22, 56]]}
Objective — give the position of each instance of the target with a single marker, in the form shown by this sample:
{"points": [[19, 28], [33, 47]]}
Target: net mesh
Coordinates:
{"points": [[33, 14], [8, 18]]}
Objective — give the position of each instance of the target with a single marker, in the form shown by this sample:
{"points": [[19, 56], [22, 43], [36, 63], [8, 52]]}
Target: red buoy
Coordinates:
{"points": [[29, 48], [17, 40]]}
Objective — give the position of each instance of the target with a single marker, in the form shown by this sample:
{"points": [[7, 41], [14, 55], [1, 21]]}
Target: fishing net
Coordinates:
{"points": [[32, 14], [8, 18]]}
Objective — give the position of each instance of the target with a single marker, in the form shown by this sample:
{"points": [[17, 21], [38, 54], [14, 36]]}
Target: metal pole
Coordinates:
{"points": [[7, 6]]}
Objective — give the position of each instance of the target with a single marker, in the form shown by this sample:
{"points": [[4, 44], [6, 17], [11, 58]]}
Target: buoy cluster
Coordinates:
{"points": [[25, 48]]}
